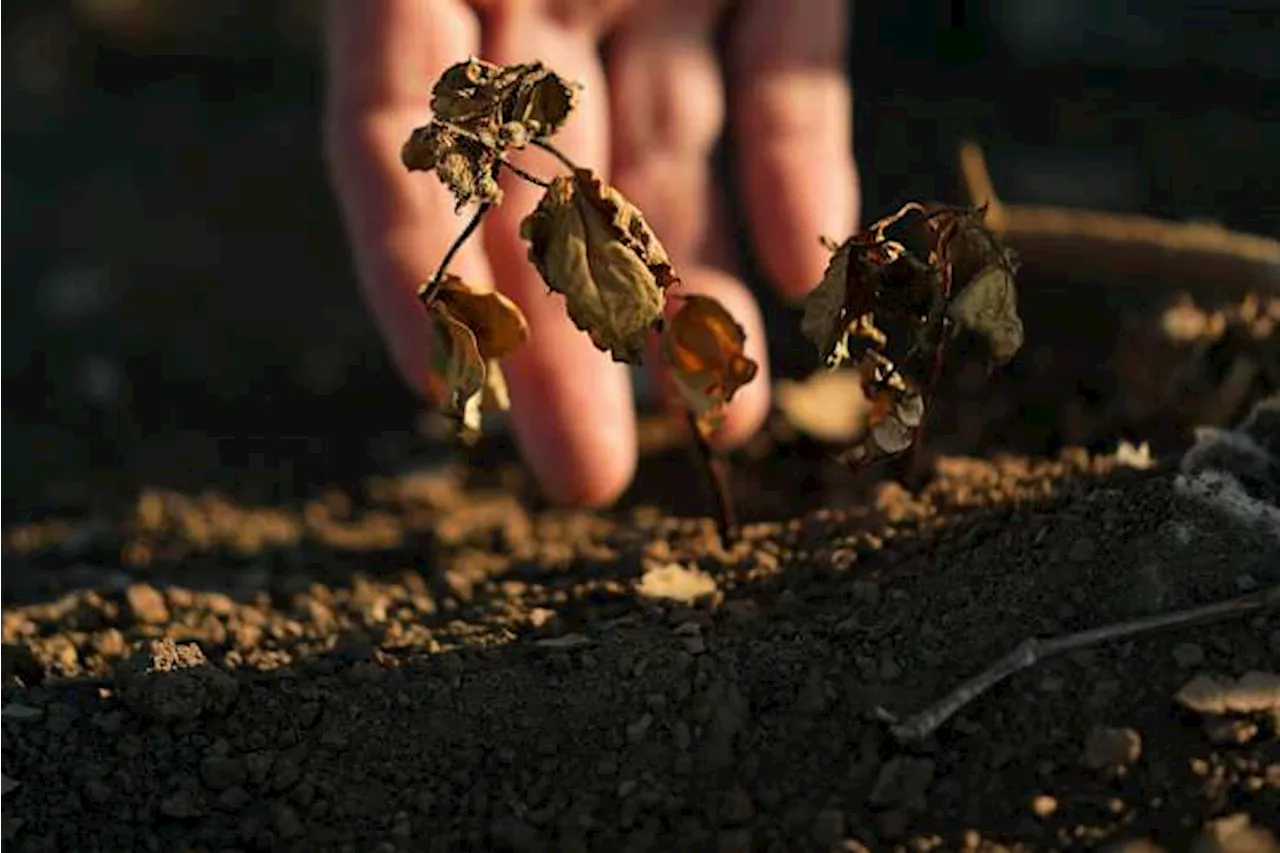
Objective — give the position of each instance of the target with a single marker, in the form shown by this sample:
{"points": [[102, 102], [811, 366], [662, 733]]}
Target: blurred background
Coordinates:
{"points": [[180, 306]]}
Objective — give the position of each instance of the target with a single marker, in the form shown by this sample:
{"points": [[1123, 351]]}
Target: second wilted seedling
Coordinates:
{"points": [[888, 313]]}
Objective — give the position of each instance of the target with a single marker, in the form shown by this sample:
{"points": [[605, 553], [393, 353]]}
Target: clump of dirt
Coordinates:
{"points": [[433, 661]]}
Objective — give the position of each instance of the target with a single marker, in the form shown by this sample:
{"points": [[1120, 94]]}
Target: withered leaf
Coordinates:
{"points": [[483, 98], [846, 296], [470, 332], [894, 432], [542, 102], [464, 165], [894, 420], [703, 345], [988, 306], [497, 323], [458, 372], [480, 110], [593, 246]]}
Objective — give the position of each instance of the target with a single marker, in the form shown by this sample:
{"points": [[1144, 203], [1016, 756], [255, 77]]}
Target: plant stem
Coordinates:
{"points": [[427, 293], [716, 473], [533, 179], [557, 153]]}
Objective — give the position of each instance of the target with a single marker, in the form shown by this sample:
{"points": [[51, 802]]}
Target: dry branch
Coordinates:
{"points": [[1125, 248], [1033, 650]]}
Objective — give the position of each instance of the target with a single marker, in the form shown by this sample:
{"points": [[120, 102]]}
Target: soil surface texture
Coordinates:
{"points": [[433, 660]]}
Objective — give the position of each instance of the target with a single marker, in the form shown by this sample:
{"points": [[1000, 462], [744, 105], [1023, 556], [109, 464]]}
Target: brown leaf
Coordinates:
{"points": [[462, 164], [703, 346], [988, 307], [458, 372], [843, 301], [594, 247], [480, 110], [470, 332], [487, 99], [497, 323], [542, 103]]}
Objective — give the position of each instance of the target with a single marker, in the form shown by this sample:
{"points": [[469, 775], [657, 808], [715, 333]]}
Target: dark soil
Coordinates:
{"points": [[434, 661]]}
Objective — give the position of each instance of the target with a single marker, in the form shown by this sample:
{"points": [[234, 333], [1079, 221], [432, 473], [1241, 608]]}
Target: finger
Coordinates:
{"points": [[791, 112], [667, 112], [668, 109], [746, 413], [383, 58], [571, 404]]}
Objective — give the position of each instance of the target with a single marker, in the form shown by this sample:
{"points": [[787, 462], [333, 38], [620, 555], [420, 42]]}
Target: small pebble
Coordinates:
{"points": [[1043, 806], [1227, 731], [1111, 749]]}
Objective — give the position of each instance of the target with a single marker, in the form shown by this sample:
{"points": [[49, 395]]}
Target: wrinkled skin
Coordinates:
{"points": [[650, 111]]}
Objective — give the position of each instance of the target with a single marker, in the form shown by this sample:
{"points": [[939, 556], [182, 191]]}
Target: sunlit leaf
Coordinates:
{"points": [[470, 332], [704, 347], [593, 246]]}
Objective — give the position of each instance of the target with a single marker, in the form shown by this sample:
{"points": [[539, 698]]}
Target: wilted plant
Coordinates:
{"points": [[888, 313], [588, 242]]}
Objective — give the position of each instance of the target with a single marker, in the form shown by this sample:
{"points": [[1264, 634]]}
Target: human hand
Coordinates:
{"points": [[656, 98]]}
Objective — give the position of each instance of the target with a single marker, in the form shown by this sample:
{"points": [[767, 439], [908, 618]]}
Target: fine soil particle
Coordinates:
{"points": [[433, 661]]}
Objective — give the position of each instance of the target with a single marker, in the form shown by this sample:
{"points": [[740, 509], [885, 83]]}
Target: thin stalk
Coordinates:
{"points": [[427, 293], [716, 472], [531, 178], [556, 152]]}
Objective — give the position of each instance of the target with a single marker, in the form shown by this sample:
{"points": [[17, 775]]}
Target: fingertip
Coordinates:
{"points": [[575, 426], [797, 193]]}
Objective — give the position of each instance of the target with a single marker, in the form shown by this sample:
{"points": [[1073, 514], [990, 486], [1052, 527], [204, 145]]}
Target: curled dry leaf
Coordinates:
{"points": [[843, 302], [988, 307], [977, 276], [471, 331], [593, 246], [503, 103], [703, 345], [480, 110], [894, 416], [466, 166]]}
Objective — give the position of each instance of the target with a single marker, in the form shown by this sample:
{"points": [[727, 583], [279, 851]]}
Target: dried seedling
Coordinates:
{"points": [[888, 313], [587, 241]]}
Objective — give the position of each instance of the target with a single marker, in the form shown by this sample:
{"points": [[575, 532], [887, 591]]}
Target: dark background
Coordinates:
{"points": [[179, 298]]}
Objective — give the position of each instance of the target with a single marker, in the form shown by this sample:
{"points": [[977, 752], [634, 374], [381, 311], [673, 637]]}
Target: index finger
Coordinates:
{"points": [[791, 110], [383, 58]]}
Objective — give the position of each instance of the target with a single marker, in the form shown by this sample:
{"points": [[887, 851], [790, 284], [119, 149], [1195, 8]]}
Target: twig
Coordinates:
{"points": [[1034, 650], [717, 476], [531, 178], [555, 152], [427, 293], [1122, 247]]}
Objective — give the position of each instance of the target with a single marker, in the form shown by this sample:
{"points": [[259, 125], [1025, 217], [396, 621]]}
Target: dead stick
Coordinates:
{"points": [[1034, 650], [1124, 248], [717, 475]]}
